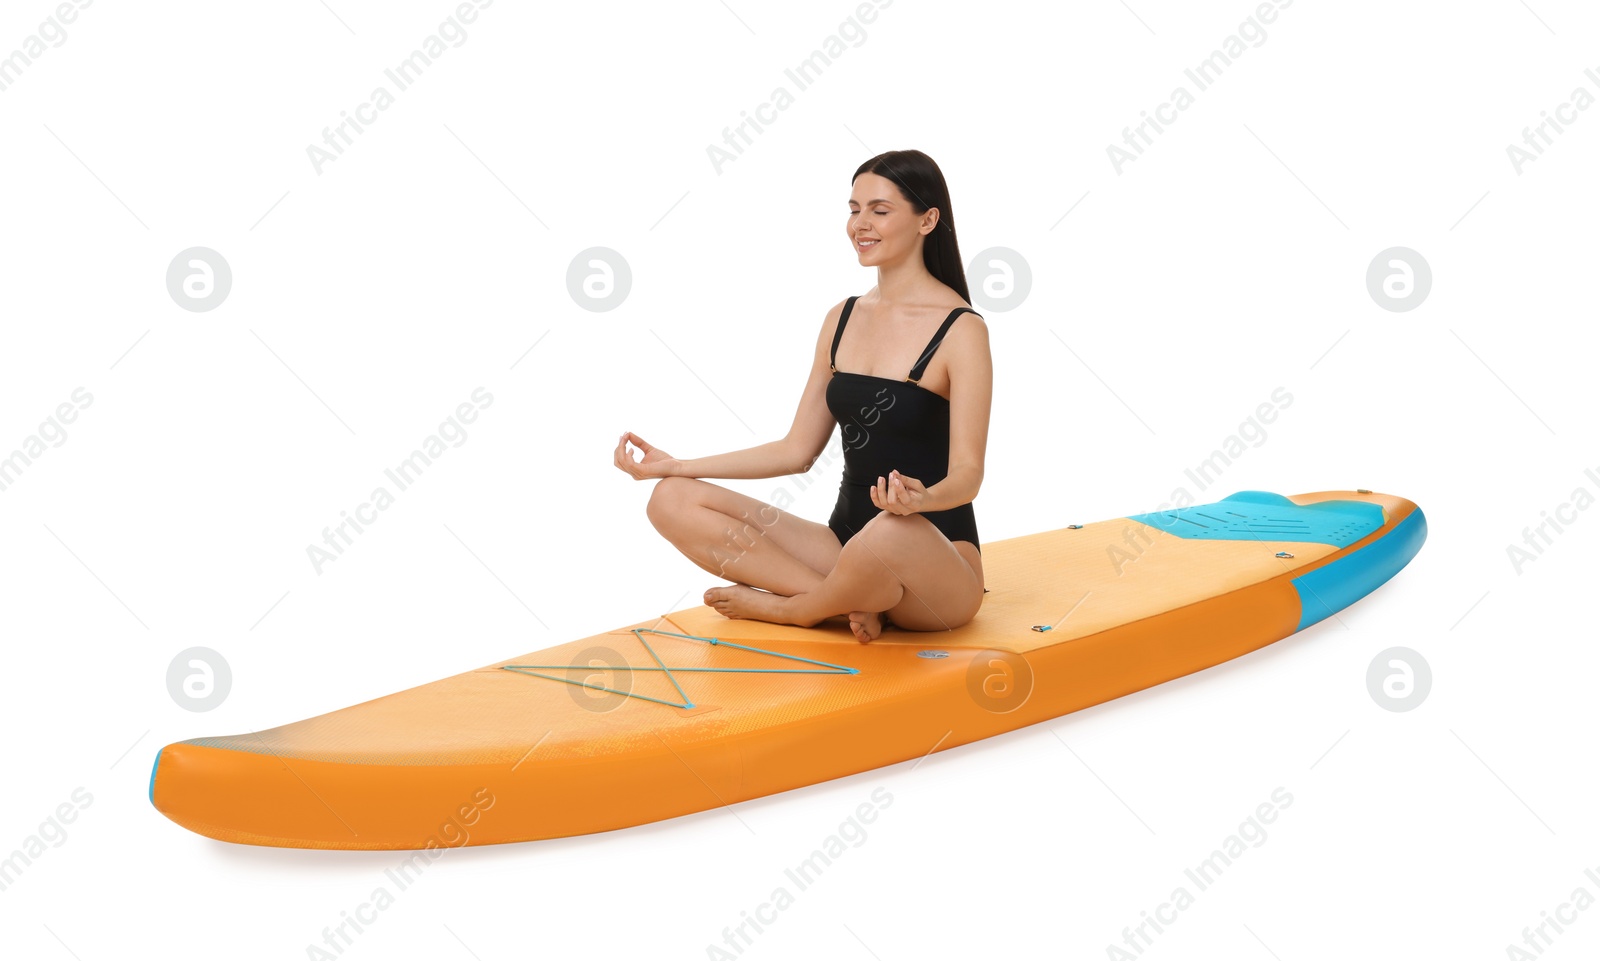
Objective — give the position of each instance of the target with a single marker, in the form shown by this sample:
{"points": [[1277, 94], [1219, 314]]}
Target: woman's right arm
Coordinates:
{"points": [[772, 459], [793, 454]]}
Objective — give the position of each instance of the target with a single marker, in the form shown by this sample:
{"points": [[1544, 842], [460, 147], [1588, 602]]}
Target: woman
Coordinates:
{"points": [[902, 543]]}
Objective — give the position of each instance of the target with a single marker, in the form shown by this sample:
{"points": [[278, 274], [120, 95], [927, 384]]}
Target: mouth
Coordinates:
{"points": [[865, 244]]}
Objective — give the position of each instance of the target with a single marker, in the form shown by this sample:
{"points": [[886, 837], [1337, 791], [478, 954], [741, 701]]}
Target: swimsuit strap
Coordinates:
{"points": [[839, 332], [933, 345]]}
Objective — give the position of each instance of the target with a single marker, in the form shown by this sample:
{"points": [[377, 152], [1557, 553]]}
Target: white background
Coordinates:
{"points": [[372, 298]]}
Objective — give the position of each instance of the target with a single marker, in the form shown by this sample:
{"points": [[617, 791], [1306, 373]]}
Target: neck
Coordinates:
{"points": [[904, 281]]}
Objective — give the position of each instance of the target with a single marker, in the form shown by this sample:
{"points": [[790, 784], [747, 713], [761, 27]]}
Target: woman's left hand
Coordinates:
{"points": [[899, 494]]}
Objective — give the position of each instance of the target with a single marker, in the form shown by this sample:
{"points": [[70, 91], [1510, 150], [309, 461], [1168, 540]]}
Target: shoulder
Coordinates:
{"points": [[829, 329], [830, 320], [968, 328], [837, 310], [966, 349]]}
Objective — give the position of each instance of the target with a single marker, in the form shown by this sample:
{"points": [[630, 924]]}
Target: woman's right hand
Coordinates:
{"points": [[655, 463]]}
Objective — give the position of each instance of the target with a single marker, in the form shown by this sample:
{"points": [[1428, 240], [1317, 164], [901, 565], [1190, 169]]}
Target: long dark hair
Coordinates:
{"points": [[922, 183]]}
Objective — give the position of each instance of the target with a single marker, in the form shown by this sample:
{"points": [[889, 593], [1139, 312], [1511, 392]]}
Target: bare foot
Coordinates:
{"points": [[744, 601], [867, 625]]}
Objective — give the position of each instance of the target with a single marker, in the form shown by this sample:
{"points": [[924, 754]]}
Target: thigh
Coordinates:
{"points": [[813, 544], [942, 589]]}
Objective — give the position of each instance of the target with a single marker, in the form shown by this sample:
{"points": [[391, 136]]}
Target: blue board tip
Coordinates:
{"points": [[153, 769]]}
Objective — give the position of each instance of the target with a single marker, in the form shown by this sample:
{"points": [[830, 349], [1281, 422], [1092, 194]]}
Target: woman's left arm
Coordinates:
{"points": [[971, 389]]}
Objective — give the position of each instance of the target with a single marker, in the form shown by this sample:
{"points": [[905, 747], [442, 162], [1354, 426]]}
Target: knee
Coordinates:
{"points": [[670, 496], [884, 532], [886, 528]]}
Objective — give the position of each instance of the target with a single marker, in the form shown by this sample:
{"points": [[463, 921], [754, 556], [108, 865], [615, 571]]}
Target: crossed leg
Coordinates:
{"points": [[741, 538], [899, 565]]}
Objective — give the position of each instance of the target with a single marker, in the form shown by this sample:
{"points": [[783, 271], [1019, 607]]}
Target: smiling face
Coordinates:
{"points": [[882, 227]]}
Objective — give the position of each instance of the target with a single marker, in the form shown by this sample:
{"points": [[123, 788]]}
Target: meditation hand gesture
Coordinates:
{"points": [[899, 494], [655, 463]]}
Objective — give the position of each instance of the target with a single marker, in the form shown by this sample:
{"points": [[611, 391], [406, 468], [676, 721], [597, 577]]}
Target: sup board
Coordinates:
{"points": [[693, 710]]}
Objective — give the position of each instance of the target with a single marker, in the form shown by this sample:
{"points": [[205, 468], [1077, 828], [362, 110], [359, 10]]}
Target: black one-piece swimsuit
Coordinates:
{"points": [[889, 425]]}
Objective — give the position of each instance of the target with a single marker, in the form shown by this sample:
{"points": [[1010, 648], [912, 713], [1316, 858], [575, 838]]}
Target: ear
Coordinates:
{"points": [[930, 219]]}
